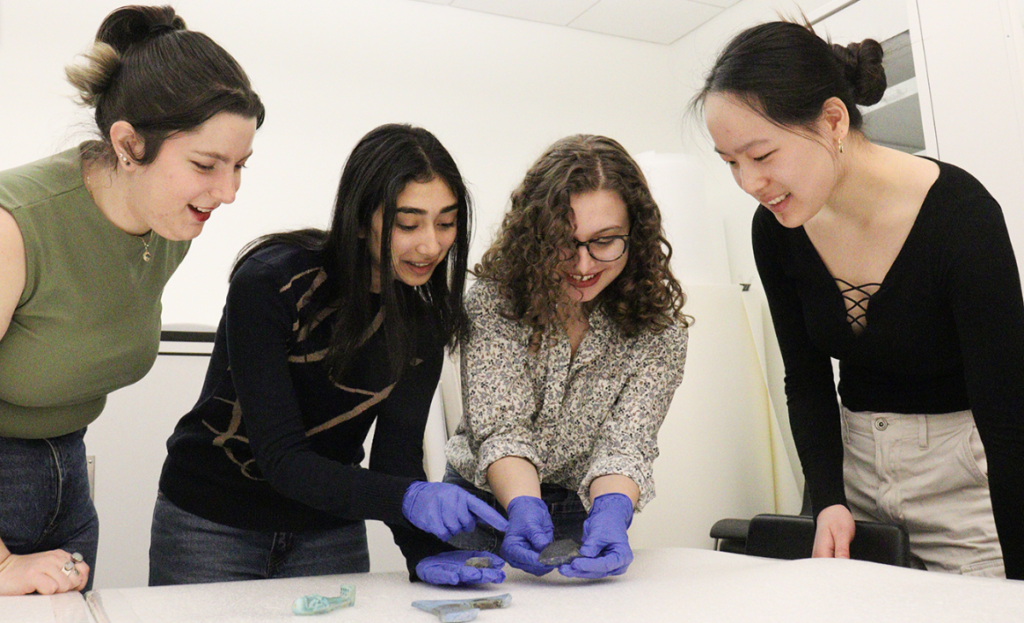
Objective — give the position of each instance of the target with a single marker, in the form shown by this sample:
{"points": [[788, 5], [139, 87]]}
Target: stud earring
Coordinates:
{"points": [[124, 158], [839, 142]]}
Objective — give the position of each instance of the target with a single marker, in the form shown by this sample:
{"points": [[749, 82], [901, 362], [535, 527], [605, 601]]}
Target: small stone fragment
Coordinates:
{"points": [[461, 610], [480, 562], [560, 552]]}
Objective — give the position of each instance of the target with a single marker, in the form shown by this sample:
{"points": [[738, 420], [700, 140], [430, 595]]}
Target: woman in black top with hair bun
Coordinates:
{"points": [[899, 267]]}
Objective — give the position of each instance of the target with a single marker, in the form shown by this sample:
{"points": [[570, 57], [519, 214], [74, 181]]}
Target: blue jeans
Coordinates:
{"points": [[187, 549], [565, 506], [44, 497]]}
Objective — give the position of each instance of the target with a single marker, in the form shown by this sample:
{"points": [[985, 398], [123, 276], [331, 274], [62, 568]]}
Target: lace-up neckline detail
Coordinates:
{"points": [[856, 299]]}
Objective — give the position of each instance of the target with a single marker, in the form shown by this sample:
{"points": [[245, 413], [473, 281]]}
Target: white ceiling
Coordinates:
{"points": [[657, 21]]}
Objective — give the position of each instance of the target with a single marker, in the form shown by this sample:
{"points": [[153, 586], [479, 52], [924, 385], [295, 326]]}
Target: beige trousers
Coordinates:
{"points": [[929, 473]]}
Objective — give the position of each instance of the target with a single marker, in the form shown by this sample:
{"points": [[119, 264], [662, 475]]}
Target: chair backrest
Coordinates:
{"points": [[792, 536]]}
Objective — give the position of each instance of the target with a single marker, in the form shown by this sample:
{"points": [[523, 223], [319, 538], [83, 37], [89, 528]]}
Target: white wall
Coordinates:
{"points": [[496, 91], [974, 75]]}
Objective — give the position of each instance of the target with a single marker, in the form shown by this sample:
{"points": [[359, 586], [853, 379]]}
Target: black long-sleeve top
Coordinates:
{"points": [[944, 333], [273, 444]]}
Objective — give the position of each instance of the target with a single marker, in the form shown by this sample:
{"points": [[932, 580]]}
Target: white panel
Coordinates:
{"points": [[659, 21], [720, 3], [451, 394], [129, 441], [693, 227], [715, 443], [546, 11]]}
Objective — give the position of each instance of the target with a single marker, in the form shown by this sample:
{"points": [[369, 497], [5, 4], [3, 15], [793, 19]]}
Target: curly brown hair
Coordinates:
{"points": [[537, 230]]}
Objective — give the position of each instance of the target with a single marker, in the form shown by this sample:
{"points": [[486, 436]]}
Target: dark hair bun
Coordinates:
{"points": [[862, 65], [132, 25]]}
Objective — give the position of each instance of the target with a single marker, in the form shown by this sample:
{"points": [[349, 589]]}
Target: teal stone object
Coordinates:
{"points": [[461, 610], [318, 604]]}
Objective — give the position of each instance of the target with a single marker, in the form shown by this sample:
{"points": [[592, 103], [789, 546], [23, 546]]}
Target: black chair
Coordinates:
{"points": [[790, 537]]}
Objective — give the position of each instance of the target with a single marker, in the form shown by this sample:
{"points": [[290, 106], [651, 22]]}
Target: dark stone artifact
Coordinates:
{"points": [[560, 552]]}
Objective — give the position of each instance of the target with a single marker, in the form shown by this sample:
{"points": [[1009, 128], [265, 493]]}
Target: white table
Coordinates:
{"points": [[65, 608], [689, 585]]}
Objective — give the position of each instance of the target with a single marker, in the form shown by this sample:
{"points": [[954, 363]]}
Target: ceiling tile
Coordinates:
{"points": [[659, 21], [547, 11]]}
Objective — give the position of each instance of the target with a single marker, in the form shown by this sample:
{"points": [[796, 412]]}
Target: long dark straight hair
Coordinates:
{"points": [[382, 164]]}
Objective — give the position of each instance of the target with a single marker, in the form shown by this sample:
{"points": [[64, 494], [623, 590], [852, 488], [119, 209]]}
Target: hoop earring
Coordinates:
{"points": [[839, 142]]}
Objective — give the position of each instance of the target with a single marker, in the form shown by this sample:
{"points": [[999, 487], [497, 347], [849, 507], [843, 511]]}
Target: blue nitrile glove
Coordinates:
{"points": [[445, 510], [529, 532], [605, 550], [450, 568]]}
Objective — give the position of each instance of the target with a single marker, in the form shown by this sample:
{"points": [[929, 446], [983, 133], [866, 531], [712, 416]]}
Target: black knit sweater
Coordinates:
{"points": [[273, 444], [944, 333]]}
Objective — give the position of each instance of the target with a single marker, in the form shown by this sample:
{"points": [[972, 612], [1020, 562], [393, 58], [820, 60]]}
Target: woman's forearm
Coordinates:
{"points": [[511, 477], [615, 483]]}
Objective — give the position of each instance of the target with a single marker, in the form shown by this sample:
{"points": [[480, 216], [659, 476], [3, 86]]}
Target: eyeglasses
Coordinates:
{"points": [[605, 248]]}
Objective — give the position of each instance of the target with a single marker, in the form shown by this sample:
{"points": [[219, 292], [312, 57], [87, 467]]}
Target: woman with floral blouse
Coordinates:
{"points": [[577, 345]]}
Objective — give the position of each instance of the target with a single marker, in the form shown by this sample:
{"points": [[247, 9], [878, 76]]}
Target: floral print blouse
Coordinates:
{"points": [[575, 418]]}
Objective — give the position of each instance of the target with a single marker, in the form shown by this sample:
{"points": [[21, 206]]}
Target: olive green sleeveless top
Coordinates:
{"points": [[88, 321]]}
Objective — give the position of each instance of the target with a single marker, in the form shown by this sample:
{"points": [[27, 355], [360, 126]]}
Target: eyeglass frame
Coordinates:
{"points": [[623, 237]]}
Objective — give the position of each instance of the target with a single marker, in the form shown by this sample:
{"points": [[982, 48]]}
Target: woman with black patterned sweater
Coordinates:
{"points": [[324, 334]]}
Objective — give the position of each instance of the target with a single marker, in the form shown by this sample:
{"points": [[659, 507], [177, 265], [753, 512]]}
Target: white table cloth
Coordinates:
{"points": [[662, 585]]}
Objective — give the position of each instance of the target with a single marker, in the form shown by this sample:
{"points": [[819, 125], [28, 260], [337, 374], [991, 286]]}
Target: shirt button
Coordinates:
{"points": [[881, 424]]}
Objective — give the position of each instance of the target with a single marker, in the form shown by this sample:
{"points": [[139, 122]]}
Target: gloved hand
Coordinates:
{"points": [[450, 568], [445, 510], [529, 532], [605, 550]]}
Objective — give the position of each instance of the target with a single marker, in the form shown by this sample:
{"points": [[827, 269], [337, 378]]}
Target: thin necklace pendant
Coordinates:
{"points": [[146, 255]]}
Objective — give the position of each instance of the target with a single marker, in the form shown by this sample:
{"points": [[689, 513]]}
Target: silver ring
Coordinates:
{"points": [[68, 567], [77, 558]]}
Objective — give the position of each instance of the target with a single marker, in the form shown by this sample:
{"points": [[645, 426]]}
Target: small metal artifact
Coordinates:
{"points": [[461, 610], [318, 604], [560, 552], [480, 562]]}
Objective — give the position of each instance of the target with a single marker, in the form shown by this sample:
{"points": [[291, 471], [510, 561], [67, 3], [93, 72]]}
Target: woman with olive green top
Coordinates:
{"points": [[81, 328], [88, 238]]}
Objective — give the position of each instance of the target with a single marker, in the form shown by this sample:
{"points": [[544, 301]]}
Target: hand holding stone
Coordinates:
{"points": [[605, 550], [529, 532]]}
